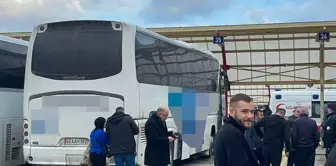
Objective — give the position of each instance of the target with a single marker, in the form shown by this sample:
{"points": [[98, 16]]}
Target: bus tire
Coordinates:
{"points": [[210, 152]]}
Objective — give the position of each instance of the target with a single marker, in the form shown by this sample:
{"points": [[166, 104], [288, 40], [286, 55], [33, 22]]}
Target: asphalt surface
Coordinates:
{"points": [[319, 160]]}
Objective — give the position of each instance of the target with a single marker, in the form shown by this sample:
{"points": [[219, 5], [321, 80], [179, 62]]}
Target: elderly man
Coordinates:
{"points": [[158, 139], [291, 119], [305, 139]]}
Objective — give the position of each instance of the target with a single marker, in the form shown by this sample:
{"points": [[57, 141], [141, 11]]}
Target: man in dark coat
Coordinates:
{"points": [[305, 139], [329, 129], [120, 129], [291, 119], [231, 147], [276, 134], [253, 139], [158, 139], [331, 161]]}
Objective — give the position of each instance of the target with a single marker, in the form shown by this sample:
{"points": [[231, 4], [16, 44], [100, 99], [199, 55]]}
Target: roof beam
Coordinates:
{"points": [[282, 82], [254, 39], [283, 65], [233, 30], [275, 50]]}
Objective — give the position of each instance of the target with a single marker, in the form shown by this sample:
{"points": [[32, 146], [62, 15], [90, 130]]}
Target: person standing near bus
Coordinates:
{"points": [[305, 139], [276, 134], [121, 129], [291, 119], [98, 140], [329, 129], [230, 145], [158, 139], [253, 139]]}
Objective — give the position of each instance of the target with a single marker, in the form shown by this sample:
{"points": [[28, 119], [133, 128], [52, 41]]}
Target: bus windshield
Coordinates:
{"points": [[77, 50]]}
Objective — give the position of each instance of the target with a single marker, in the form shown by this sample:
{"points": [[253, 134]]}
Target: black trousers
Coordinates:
{"points": [[97, 159], [259, 155], [272, 156], [305, 156], [291, 158]]}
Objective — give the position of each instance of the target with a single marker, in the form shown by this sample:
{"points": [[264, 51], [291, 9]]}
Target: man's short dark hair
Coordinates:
{"points": [[119, 109], [240, 97], [332, 107], [257, 111], [281, 110]]}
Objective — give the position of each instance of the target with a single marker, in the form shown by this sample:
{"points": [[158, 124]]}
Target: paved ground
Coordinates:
{"points": [[319, 160]]}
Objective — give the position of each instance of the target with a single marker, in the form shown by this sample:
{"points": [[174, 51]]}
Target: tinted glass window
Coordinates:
{"points": [[85, 49], [12, 65], [162, 63], [147, 59], [316, 113]]}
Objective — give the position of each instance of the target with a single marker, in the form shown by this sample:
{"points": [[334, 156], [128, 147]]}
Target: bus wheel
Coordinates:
{"points": [[210, 152]]}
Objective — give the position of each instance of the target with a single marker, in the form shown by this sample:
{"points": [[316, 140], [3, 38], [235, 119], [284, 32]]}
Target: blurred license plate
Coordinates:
{"points": [[76, 141]]}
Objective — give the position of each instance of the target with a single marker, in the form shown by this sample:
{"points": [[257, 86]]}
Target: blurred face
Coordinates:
{"points": [[163, 114], [242, 112], [281, 113], [260, 115], [297, 111]]}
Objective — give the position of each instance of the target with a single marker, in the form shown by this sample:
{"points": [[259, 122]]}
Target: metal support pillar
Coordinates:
{"points": [[322, 79], [322, 37]]}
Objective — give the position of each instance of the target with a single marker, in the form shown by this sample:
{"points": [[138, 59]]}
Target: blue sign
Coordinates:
{"points": [[324, 36], [218, 39]]}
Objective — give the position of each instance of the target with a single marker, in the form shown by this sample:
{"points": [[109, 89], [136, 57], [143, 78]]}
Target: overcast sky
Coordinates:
{"points": [[23, 15]]}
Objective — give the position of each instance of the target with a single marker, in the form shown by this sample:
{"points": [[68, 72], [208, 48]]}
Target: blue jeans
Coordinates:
{"points": [[128, 158]]}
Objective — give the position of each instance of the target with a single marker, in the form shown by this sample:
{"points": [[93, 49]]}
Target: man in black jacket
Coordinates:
{"points": [[305, 139], [120, 129], [253, 139], [231, 147], [158, 139], [276, 134], [329, 129]]}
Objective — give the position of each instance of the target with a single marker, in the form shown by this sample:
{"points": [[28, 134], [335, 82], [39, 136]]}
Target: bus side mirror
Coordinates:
{"points": [[213, 85]]}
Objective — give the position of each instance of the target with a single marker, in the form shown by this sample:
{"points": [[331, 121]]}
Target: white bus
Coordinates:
{"points": [[12, 68], [80, 70], [309, 98]]}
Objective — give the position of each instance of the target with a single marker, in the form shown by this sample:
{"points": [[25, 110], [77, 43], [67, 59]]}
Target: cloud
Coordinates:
{"points": [[23, 15], [294, 11], [181, 11]]}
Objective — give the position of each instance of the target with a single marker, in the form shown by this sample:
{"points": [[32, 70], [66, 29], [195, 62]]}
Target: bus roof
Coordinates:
{"points": [[13, 40]]}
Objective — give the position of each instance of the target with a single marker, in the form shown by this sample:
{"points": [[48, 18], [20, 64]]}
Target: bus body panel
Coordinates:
{"points": [[12, 59], [139, 100]]}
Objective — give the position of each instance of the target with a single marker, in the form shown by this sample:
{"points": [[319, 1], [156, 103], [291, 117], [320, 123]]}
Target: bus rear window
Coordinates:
{"points": [[77, 50]]}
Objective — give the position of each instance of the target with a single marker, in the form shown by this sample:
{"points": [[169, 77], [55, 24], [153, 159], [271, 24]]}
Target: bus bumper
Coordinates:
{"points": [[54, 155]]}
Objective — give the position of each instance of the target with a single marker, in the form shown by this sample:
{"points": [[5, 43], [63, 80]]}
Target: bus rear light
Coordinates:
{"points": [[25, 126], [26, 141], [25, 133]]}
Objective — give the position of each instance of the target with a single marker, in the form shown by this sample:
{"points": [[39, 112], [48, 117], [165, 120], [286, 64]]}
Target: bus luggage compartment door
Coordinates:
{"points": [[12, 151]]}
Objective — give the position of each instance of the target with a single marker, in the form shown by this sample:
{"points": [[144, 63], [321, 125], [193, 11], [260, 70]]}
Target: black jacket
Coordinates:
{"points": [[305, 133], [276, 132], [331, 161], [252, 138], [329, 130], [120, 129], [231, 147], [157, 148], [291, 120]]}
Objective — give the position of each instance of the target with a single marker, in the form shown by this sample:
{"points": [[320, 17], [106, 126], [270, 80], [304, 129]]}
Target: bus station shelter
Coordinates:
{"points": [[262, 57]]}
